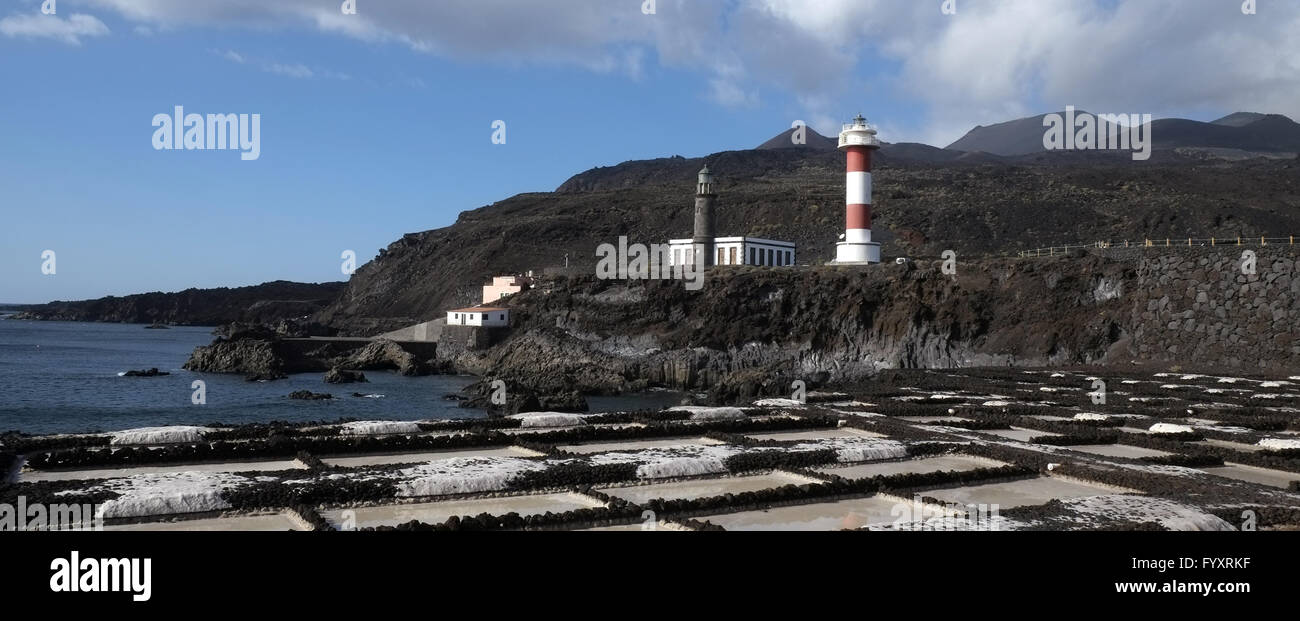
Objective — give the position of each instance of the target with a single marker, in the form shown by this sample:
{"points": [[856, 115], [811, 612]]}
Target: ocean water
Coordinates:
{"points": [[63, 377]]}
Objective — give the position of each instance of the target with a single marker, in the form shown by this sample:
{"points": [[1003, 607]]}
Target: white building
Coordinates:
{"points": [[483, 316], [737, 251], [724, 250]]}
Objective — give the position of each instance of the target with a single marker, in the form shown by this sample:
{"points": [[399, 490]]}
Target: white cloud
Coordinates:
{"points": [[993, 60], [38, 26], [727, 93], [292, 70]]}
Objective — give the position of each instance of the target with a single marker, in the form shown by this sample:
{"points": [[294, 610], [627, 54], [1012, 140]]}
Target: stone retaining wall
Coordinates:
{"points": [[1197, 305]]}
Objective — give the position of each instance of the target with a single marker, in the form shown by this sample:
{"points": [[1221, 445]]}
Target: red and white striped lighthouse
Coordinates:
{"points": [[858, 140]]}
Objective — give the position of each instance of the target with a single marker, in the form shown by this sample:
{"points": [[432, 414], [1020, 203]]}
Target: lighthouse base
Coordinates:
{"points": [[856, 253]]}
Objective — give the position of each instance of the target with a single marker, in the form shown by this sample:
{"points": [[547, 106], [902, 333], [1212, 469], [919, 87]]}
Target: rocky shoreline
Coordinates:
{"points": [[264, 353]]}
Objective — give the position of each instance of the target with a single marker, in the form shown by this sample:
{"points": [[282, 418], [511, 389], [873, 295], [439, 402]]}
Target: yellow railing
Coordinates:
{"points": [[1168, 242]]}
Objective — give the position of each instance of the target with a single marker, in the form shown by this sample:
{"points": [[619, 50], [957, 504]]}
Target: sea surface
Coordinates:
{"points": [[63, 377]]}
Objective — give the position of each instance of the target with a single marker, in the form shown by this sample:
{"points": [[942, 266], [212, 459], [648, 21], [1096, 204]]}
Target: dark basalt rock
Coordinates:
{"points": [[240, 349], [53, 492], [383, 354], [152, 372], [265, 376], [342, 376], [520, 399], [307, 395], [8, 463]]}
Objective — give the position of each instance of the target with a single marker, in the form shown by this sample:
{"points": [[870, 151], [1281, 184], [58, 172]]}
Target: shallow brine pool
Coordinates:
{"points": [[382, 459], [269, 522], [1024, 492], [839, 515], [1018, 433], [635, 445], [107, 473], [705, 488], [941, 463], [439, 512], [815, 434], [1253, 474], [1118, 450]]}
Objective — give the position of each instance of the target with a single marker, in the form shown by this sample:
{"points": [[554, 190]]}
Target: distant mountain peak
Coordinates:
{"points": [[812, 140], [1241, 119]]}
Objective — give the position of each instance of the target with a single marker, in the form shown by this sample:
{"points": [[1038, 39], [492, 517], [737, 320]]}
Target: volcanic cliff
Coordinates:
{"points": [[926, 200]]}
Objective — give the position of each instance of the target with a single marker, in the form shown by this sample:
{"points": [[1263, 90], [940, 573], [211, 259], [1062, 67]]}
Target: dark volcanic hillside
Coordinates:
{"points": [[926, 200], [1241, 131], [264, 303]]}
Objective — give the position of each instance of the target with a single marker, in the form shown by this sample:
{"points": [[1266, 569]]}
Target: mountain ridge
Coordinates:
{"points": [[1244, 131], [268, 302]]}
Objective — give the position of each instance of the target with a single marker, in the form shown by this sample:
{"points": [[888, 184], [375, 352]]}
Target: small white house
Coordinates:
{"points": [[484, 316]]}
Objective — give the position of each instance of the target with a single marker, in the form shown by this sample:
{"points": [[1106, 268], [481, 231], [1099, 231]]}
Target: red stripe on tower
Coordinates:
{"points": [[858, 199]]}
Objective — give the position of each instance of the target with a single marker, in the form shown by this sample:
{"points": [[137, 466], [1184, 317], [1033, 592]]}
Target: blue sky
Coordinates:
{"points": [[379, 124]]}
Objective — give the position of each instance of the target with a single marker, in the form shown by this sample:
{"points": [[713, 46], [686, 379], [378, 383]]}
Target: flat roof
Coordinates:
{"points": [[754, 240], [732, 240], [478, 309]]}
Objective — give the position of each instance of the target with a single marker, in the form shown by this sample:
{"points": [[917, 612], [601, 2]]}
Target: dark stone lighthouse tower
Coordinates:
{"points": [[706, 223]]}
